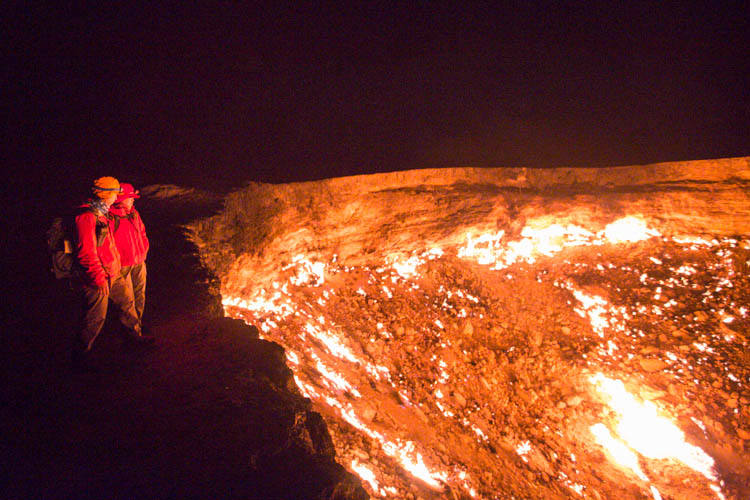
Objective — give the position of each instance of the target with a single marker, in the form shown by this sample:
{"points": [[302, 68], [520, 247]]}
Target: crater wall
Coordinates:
{"points": [[368, 217]]}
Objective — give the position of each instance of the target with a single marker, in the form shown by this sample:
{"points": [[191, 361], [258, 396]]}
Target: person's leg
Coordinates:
{"points": [[93, 311], [138, 279], [121, 294], [126, 272]]}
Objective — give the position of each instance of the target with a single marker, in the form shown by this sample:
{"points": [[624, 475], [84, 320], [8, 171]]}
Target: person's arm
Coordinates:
{"points": [[142, 231], [87, 252]]}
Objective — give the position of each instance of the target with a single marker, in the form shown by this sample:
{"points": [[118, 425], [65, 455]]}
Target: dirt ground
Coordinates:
{"points": [[210, 411]]}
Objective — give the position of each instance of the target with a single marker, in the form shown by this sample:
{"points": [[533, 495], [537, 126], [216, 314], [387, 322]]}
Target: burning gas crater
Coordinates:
{"points": [[566, 363]]}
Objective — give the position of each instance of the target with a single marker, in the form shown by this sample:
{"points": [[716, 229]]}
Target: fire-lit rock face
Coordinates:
{"points": [[505, 333]]}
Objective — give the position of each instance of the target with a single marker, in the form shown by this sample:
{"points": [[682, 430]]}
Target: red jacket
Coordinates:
{"points": [[130, 235], [99, 262]]}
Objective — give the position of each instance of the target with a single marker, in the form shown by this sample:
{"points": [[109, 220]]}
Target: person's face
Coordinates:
{"points": [[128, 203], [110, 199]]}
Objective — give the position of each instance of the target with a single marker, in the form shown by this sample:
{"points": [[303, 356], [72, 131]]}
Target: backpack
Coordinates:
{"points": [[61, 244]]}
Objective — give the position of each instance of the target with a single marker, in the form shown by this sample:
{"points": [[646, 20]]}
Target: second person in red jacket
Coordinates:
{"points": [[130, 237]]}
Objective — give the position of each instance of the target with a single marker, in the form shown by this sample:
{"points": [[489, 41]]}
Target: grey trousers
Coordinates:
{"points": [[95, 302], [137, 276]]}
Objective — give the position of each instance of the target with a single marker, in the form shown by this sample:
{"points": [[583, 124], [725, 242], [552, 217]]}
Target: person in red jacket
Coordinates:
{"points": [[132, 243], [99, 277]]}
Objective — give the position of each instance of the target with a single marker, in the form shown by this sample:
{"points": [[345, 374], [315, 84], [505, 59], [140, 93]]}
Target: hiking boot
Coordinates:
{"points": [[80, 362], [140, 340], [145, 339]]}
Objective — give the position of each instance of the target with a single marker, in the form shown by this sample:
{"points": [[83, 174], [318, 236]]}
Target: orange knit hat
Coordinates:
{"points": [[104, 187]]}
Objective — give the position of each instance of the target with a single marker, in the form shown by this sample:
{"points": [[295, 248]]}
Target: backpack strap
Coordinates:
{"points": [[117, 218]]}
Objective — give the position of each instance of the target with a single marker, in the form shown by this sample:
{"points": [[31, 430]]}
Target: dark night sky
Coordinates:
{"points": [[219, 95]]}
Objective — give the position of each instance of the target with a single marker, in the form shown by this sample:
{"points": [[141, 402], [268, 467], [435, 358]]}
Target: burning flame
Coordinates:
{"points": [[488, 248], [645, 431], [628, 229], [408, 268], [619, 450], [307, 272], [367, 475]]}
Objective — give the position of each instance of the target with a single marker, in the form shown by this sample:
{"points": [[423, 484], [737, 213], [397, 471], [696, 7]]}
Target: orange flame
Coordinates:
{"points": [[488, 248], [619, 450], [628, 229], [367, 475], [646, 432]]}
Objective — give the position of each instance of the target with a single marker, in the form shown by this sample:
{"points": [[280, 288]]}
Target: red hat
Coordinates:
{"points": [[127, 191]]}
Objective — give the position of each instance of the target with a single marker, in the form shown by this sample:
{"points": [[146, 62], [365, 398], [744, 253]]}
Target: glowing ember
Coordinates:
{"points": [[578, 488], [523, 449], [308, 273], [292, 357], [684, 240], [593, 307], [333, 379], [483, 249], [332, 343], [408, 268], [552, 239], [414, 463], [367, 475]]}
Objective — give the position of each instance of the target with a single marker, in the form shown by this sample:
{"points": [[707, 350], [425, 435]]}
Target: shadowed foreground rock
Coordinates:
{"points": [[297, 458]]}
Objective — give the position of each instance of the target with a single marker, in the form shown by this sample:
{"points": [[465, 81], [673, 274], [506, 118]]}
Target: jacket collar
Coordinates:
{"points": [[120, 210], [97, 207]]}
